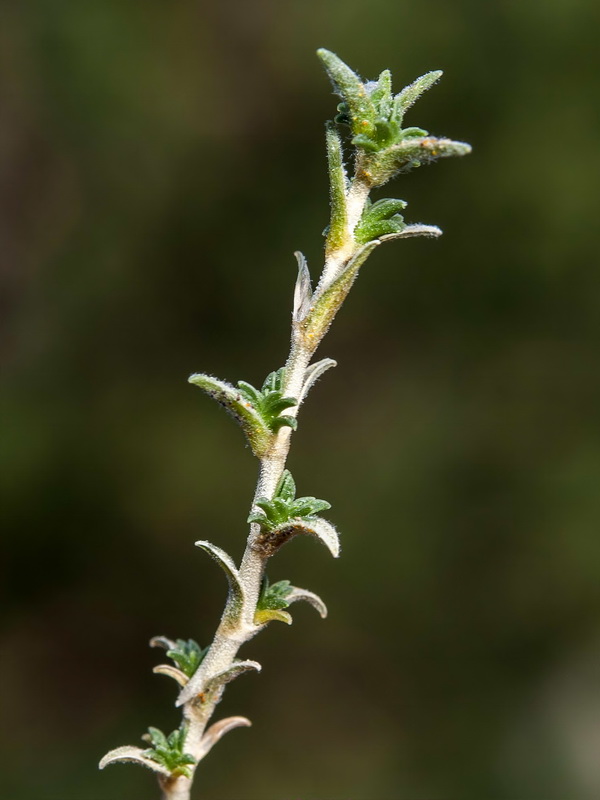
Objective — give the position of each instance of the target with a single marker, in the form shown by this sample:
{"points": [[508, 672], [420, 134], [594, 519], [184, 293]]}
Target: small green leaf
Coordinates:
{"points": [[379, 219], [241, 406], [286, 488], [337, 233], [410, 94], [381, 94], [273, 597]]}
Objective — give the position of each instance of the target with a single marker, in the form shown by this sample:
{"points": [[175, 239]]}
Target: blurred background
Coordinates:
{"points": [[160, 162]]}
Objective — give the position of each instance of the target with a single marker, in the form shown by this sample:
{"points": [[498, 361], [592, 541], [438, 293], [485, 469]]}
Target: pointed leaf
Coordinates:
{"points": [[226, 563], [228, 675], [286, 488], [381, 94], [240, 407], [303, 290], [135, 755], [218, 730], [331, 295], [337, 232], [410, 94], [310, 597], [171, 672], [350, 87], [313, 373]]}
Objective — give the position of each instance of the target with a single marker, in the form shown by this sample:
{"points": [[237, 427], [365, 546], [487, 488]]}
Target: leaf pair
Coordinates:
{"points": [[258, 411], [284, 506]]}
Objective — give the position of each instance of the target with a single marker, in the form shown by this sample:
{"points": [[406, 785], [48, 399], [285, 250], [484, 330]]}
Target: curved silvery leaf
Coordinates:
{"points": [[432, 231], [312, 374], [303, 290], [171, 672], [135, 755], [218, 730], [162, 641], [298, 594], [235, 670], [269, 541], [243, 411], [225, 561]]}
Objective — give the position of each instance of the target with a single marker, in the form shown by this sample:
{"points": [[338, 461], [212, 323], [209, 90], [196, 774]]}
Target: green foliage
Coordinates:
{"points": [[284, 506], [258, 411], [168, 751], [269, 401], [336, 231], [375, 118], [188, 655], [274, 596], [272, 601], [378, 219]]}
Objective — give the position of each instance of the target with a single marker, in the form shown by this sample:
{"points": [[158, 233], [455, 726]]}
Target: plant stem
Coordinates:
{"points": [[229, 638]]}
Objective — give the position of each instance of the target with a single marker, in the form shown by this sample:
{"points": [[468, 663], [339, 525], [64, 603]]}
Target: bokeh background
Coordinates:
{"points": [[160, 163]]}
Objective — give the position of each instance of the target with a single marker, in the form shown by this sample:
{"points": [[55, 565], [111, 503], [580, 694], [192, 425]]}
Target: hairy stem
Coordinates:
{"points": [[229, 638]]}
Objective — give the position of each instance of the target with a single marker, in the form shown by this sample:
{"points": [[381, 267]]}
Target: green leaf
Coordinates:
{"points": [[257, 411], [329, 297], [273, 596], [168, 751], [284, 506], [241, 405], [361, 111], [381, 94], [337, 231], [188, 655], [379, 219], [409, 153], [286, 488], [410, 94]]}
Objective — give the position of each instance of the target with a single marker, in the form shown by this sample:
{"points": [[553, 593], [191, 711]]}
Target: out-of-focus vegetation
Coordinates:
{"points": [[160, 162]]}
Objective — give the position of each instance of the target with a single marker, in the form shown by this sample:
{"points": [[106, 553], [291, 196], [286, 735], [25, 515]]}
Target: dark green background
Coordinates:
{"points": [[160, 163]]}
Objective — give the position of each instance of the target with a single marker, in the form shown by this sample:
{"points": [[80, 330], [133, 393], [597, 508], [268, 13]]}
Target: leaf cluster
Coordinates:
{"points": [[284, 506], [168, 750], [258, 411], [375, 116], [273, 597], [187, 655], [269, 401]]}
